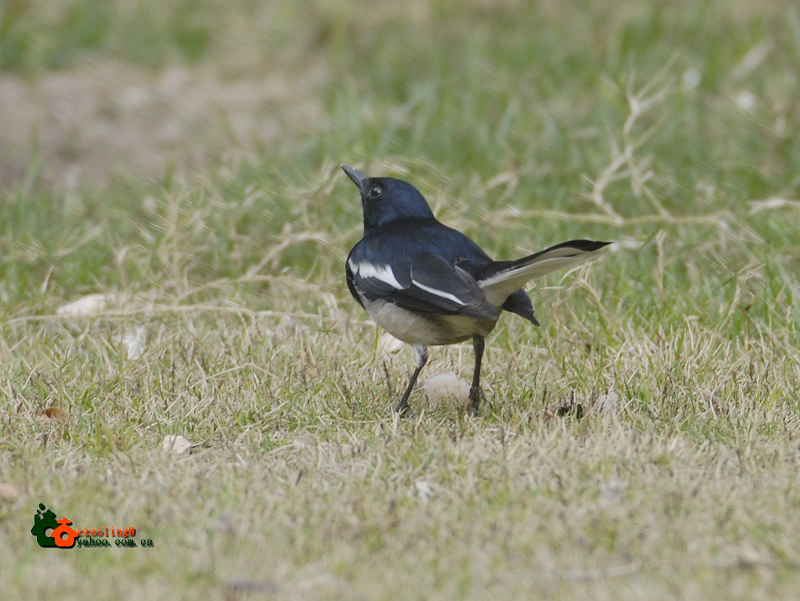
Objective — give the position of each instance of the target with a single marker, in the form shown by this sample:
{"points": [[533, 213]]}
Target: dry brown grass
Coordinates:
{"points": [[300, 483]]}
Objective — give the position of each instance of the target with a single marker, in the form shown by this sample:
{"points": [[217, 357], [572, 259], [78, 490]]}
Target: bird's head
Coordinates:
{"points": [[385, 199]]}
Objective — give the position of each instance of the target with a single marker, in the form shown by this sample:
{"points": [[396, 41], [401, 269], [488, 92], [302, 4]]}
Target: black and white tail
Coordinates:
{"points": [[503, 278]]}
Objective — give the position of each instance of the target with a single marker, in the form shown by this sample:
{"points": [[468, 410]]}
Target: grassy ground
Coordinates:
{"points": [[181, 159]]}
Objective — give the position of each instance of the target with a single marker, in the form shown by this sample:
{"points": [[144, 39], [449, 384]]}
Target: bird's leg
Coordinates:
{"points": [[421, 353], [475, 390]]}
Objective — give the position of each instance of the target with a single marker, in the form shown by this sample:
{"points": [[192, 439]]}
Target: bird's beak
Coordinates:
{"points": [[359, 179]]}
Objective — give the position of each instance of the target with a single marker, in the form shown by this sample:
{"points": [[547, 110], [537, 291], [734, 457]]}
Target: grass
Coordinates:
{"points": [[671, 128]]}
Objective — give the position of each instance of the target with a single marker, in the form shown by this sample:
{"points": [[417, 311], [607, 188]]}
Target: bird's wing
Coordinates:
{"points": [[423, 283]]}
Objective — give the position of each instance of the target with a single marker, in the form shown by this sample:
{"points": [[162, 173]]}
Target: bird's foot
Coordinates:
{"points": [[403, 410], [475, 395]]}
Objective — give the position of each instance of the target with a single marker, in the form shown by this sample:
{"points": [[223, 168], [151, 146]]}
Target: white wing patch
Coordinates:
{"points": [[383, 273], [440, 293]]}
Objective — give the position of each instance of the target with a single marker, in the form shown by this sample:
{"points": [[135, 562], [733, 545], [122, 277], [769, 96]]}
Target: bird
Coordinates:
{"points": [[428, 284]]}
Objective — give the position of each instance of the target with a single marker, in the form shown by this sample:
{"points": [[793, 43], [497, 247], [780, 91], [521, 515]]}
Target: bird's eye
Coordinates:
{"points": [[375, 192]]}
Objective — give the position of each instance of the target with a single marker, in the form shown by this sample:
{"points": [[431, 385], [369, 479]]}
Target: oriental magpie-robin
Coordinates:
{"points": [[426, 283]]}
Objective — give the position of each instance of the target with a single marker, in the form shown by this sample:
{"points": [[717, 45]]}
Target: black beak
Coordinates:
{"points": [[359, 179]]}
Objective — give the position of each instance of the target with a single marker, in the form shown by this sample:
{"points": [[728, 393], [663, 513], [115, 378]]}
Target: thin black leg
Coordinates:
{"points": [[475, 390], [421, 353]]}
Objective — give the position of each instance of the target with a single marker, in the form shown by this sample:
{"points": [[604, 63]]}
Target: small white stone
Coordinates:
{"points": [[176, 444], [446, 387], [88, 305], [422, 489], [8, 493], [607, 402]]}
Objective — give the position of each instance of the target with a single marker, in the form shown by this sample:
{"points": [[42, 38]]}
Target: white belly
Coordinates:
{"points": [[414, 328]]}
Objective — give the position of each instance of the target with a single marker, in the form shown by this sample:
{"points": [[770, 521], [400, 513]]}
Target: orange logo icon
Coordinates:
{"points": [[64, 535]]}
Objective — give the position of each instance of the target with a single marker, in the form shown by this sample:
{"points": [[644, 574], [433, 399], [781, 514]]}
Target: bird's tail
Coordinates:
{"points": [[500, 279]]}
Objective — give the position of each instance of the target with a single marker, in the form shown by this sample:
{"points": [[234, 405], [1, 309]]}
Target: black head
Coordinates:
{"points": [[385, 199]]}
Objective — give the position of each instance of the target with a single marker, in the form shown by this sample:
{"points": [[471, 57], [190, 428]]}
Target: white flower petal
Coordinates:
{"points": [[388, 344], [135, 343]]}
